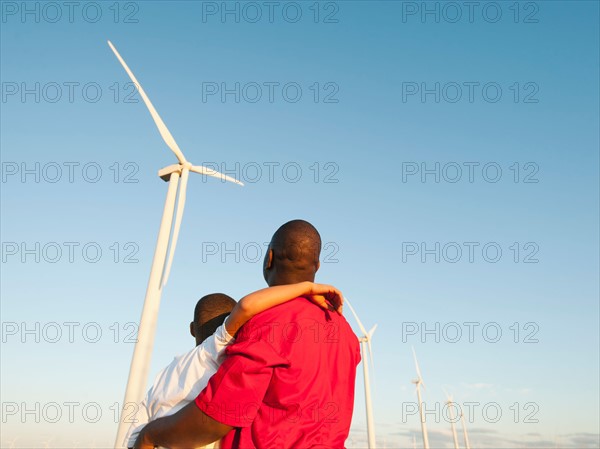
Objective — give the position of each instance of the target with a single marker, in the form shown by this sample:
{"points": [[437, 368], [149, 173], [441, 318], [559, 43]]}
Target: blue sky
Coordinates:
{"points": [[347, 134]]}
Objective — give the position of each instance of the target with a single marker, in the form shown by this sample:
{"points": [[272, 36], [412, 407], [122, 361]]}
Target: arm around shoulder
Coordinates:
{"points": [[189, 427]]}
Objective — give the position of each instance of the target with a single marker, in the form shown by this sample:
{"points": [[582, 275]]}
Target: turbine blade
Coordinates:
{"points": [[372, 331], [417, 366], [362, 328], [178, 216], [448, 396], [215, 174], [162, 128], [369, 337], [369, 345]]}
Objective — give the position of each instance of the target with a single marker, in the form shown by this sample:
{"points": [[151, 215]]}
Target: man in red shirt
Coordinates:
{"points": [[288, 381]]}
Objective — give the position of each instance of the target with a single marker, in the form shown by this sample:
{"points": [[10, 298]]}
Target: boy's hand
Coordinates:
{"points": [[327, 297]]}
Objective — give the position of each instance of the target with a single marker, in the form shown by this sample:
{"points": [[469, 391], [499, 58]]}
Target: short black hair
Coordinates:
{"points": [[210, 312]]}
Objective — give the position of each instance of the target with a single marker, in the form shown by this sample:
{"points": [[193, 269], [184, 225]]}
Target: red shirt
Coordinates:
{"points": [[288, 380]]}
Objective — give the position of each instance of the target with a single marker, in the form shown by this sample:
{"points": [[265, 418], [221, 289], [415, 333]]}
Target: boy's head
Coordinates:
{"points": [[293, 254], [210, 312]]}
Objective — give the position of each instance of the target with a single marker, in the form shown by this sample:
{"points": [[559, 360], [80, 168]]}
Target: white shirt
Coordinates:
{"points": [[180, 382]]}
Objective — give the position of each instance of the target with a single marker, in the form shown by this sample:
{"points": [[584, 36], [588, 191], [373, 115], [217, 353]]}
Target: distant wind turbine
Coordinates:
{"points": [[177, 176], [418, 382], [47, 442], [365, 343], [451, 412]]}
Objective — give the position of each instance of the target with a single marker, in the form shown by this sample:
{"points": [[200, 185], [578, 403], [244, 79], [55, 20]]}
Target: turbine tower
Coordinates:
{"points": [[177, 176], [462, 420], [367, 353], [418, 382]]}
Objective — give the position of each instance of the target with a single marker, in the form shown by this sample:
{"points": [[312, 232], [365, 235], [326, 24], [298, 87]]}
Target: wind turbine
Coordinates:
{"points": [[365, 343], [451, 412], [418, 382], [177, 176], [462, 420]]}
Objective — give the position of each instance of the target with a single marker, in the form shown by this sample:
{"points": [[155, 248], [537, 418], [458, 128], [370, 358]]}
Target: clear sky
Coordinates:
{"points": [[446, 151]]}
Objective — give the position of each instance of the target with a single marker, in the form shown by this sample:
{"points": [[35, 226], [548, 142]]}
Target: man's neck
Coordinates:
{"points": [[290, 279]]}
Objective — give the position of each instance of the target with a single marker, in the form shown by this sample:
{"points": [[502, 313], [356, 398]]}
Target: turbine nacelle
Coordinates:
{"points": [[165, 173]]}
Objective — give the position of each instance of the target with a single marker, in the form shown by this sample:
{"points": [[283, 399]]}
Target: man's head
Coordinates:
{"points": [[210, 312], [293, 254]]}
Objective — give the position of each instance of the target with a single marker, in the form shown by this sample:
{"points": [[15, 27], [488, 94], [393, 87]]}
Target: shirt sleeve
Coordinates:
{"points": [[213, 348], [235, 393]]}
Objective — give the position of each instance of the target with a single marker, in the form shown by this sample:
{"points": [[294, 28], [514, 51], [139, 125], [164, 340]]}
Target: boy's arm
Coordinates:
{"points": [[325, 296]]}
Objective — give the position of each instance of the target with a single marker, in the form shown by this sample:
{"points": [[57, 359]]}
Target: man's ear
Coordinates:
{"points": [[267, 264], [269, 260], [192, 331]]}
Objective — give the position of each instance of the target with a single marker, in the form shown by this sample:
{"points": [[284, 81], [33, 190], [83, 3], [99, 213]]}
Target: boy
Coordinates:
{"points": [[180, 383]]}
